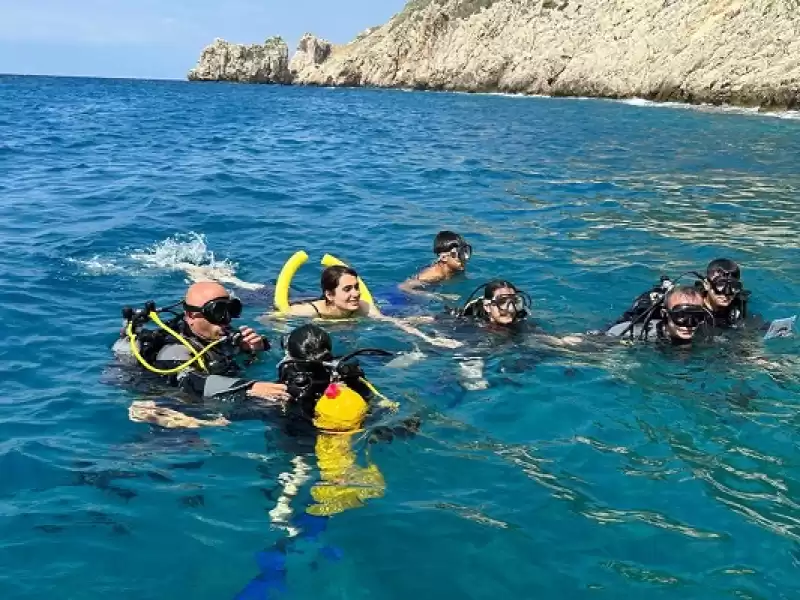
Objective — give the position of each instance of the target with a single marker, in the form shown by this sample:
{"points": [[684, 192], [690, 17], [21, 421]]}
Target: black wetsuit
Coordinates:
{"points": [[650, 330], [223, 375], [307, 382], [733, 316]]}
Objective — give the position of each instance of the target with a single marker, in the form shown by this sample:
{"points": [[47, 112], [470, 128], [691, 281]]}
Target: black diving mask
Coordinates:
{"points": [[462, 252], [687, 315], [511, 303], [218, 311], [726, 285]]}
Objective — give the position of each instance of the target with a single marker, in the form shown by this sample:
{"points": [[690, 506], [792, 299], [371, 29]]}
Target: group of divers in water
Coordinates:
{"points": [[329, 398]]}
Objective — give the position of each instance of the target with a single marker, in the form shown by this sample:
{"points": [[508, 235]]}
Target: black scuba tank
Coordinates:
{"points": [[646, 301]]}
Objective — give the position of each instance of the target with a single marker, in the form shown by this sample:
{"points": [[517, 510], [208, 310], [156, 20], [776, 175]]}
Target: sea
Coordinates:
{"points": [[589, 472]]}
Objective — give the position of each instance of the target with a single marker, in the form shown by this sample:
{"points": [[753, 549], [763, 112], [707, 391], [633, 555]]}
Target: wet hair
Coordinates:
{"points": [[683, 292], [723, 266], [445, 240], [310, 342], [497, 284], [331, 277], [306, 382]]}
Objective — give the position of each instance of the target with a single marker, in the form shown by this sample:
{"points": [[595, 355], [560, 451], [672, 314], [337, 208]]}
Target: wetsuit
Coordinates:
{"points": [[651, 330], [223, 374], [733, 316], [307, 382]]}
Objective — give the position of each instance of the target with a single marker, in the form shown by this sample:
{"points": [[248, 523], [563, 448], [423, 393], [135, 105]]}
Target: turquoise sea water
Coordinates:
{"points": [[632, 472]]}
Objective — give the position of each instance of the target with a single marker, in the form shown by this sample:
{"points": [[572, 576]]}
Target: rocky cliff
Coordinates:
{"points": [[251, 63], [744, 52]]}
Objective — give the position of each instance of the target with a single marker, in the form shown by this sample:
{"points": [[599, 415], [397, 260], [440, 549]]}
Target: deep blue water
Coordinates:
{"points": [[580, 474]]}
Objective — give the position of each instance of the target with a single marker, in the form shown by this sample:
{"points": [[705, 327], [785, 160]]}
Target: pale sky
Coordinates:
{"points": [[162, 38]]}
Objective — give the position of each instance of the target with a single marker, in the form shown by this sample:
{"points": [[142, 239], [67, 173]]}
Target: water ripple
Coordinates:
{"points": [[621, 471]]}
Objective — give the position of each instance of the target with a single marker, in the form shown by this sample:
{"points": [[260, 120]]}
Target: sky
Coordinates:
{"points": [[162, 39]]}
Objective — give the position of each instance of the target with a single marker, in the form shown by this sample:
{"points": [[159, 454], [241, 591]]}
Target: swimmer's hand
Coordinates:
{"points": [[148, 412], [389, 405], [444, 342], [268, 391], [567, 340], [251, 341], [419, 319], [572, 340]]}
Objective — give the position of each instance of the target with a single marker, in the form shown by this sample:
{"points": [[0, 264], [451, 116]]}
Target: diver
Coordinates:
{"points": [[502, 305], [334, 398], [342, 299], [725, 296], [452, 255], [501, 312], [309, 369], [673, 317], [196, 350]]}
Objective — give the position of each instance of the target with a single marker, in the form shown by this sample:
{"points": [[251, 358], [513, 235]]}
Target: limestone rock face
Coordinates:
{"points": [[744, 52], [311, 52], [250, 63]]}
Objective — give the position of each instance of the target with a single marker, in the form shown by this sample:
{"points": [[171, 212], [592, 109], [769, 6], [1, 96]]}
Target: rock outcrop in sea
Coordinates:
{"points": [[246, 63], [743, 52]]}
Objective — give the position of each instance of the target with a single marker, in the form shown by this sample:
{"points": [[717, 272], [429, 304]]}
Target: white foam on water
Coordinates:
{"points": [[96, 266], [188, 252], [405, 359], [710, 108], [177, 250], [713, 108]]}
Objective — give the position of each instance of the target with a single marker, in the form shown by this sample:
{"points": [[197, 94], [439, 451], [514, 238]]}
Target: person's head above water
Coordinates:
{"points": [[324, 394], [503, 303], [452, 250], [209, 308], [341, 289], [309, 342], [722, 283], [683, 313]]}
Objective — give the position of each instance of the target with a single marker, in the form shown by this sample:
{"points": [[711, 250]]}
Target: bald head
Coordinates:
{"points": [[200, 293], [683, 294]]}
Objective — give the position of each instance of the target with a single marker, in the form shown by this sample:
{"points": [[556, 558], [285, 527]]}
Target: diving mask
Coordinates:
{"points": [[687, 315], [218, 311], [726, 285], [511, 303], [461, 251]]}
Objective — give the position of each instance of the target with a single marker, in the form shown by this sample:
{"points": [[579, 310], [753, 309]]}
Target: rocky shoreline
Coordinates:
{"points": [[737, 52]]}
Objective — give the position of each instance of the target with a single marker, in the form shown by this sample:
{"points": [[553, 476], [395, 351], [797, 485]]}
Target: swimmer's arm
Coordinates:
{"points": [[218, 273], [400, 324], [566, 341], [412, 285], [148, 412], [295, 310]]}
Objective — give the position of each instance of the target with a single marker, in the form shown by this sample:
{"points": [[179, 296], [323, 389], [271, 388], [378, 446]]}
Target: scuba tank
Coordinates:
{"points": [[647, 302], [139, 344], [309, 381]]}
